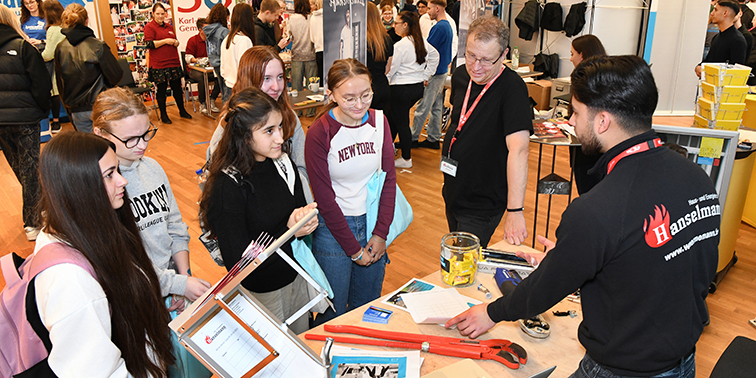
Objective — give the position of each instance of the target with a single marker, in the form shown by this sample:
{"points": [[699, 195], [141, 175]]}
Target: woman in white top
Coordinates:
{"points": [[303, 64], [238, 40], [414, 62], [111, 323]]}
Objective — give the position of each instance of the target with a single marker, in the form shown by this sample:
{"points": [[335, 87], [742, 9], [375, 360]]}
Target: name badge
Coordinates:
{"points": [[448, 166]]}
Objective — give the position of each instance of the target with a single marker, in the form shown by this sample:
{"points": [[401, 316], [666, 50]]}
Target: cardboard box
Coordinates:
{"points": [[559, 87], [540, 92]]}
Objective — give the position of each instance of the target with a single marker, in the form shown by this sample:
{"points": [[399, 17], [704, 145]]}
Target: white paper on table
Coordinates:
{"points": [[239, 351], [436, 306], [414, 361]]}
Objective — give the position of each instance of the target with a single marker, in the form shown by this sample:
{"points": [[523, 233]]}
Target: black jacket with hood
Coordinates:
{"points": [[265, 35], [84, 66], [24, 82]]}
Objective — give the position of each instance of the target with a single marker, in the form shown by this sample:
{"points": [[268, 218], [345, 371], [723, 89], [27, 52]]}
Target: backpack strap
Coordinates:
{"points": [[48, 256], [54, 254]]}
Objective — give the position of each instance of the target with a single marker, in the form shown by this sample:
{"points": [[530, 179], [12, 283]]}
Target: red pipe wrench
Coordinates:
{"points": [[500, 350]]}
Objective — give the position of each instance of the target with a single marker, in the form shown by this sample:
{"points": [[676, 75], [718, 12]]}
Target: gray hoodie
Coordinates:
{"points": [[158, 219], [215, 33]]}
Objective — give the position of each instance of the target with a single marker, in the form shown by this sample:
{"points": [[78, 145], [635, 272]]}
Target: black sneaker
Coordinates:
{"points": [[55, 127], [428, 144], [165, 120], [184, 114]]}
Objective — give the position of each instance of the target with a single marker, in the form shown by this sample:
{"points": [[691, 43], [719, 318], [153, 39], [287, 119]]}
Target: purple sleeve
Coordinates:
{"points": [[317, 145], [388, 194]]}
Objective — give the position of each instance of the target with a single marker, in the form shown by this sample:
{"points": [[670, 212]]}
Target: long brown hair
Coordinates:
{"points": [[26, 15], [589, 46], [242, 21], [251, 73], [413, 27], [75, 208], [248, 110], [376, 33], [74, 15], [218, 14], [341, 71], [7, 17], [53, 11], [302, 7]]}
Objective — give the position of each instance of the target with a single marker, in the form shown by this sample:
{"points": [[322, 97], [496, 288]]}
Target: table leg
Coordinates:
{"points": [[207, 95]]}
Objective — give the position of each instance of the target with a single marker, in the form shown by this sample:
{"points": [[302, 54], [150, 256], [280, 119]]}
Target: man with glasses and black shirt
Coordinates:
{"points": [[485, 152]]}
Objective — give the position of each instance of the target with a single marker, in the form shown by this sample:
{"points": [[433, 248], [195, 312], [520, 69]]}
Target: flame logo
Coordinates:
{"points": [[208, 339], [656, 228]]}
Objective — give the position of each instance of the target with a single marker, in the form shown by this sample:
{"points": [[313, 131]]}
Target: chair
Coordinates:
{"points": [[737, 361], [188, 81], [127, 80]]}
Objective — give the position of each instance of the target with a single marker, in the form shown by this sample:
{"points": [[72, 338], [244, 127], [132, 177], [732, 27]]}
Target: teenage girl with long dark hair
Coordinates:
{"points": [[112, 324], [414, 62]]}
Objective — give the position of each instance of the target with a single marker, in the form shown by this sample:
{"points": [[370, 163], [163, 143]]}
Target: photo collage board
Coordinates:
{"points": [[129, 18]]}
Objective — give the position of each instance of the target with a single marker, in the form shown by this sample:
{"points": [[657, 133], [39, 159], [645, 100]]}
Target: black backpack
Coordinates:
{"points": [[575, 20]]}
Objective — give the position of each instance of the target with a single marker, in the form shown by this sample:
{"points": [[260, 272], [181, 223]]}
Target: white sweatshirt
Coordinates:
{"points": [[230, 57], [404, 67], [74, 308]]}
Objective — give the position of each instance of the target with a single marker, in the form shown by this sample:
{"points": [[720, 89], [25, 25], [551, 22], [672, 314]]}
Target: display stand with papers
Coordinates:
{"points": [[234, 335]]}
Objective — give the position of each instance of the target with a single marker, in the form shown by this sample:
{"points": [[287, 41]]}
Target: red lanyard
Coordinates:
{"points": [[465, 114], [640, 147]]}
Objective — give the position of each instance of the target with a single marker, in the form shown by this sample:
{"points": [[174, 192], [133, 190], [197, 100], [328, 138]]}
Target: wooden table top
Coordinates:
{"points": [[561, 348]]}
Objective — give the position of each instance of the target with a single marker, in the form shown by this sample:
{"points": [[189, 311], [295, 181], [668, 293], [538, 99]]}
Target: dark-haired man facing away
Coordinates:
{"points": [[729, 46], [641, 246]]}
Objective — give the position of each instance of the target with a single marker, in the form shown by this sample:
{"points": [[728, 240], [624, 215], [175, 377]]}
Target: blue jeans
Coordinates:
{"points": [[224, 90], [591, 369], [83, 121], [302, 70], [353, 285], [433, 103]]}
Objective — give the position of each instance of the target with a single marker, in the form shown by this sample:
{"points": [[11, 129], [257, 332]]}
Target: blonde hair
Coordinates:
{"points": [[8, 18], [116, 104], [74, 15]]}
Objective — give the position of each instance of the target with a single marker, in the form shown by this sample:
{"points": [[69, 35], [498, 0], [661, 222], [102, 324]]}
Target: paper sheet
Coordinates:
{"points": [[414, 361], [437, 306], [414, 285], [238, 352]]}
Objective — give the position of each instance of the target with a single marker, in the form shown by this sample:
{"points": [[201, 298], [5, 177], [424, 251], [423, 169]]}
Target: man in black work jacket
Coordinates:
{"points": [[729, 46], [641, 246]]}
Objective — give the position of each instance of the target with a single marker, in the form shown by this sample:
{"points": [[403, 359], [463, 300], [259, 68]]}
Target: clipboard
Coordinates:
{"points": [[235, 336]]}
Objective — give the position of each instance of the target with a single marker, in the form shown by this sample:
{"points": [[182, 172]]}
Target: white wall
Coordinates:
{"points": [[677, 48], [616, 23]]}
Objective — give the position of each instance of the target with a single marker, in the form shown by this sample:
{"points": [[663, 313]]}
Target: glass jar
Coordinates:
{"points": [[459, 258]]}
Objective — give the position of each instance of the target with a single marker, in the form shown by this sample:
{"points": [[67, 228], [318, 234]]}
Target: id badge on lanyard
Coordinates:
{"points": [[449, 165]]}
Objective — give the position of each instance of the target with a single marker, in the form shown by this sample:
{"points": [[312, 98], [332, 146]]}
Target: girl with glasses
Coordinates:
{"points": [[121, 117], [345, 146], [104, 313], [253, 188], [414, 62]]}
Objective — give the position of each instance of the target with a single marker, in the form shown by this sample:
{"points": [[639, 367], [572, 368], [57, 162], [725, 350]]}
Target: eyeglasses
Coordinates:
{"points": [[133, 141], [486, 63], [352, 101]]}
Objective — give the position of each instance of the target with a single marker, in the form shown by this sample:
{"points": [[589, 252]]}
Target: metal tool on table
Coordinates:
{"points": [[504, 351]]}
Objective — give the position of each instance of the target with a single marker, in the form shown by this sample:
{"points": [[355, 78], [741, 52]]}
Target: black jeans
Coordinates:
{"points": [[403, 98], [20, 145], [479, 225]]}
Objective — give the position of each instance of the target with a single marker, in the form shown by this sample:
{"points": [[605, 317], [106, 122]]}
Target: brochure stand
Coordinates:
{"points": [[234, 335]]}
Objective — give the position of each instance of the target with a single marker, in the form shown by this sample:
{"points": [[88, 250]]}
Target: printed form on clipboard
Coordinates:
{"points": [[235, 336]]}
